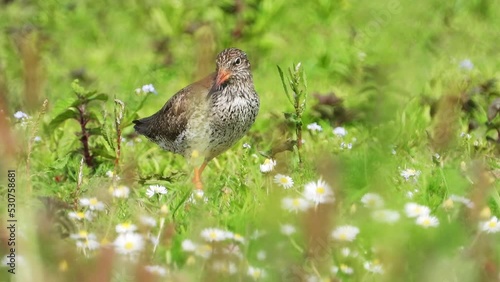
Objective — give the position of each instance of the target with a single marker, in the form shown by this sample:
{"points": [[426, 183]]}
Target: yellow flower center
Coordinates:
{"points": [[63, 266], [83, 234], [296, 202], [320, 190], [426, 222], [126, 225], [267, 161], [492, 224], [283, 180], [80, 215], [129, 245], [93, 202], [212, 235], [343, 236], [256, 273]]}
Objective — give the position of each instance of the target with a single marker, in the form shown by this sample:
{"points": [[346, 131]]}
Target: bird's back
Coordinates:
{"points": [[167, 127]]}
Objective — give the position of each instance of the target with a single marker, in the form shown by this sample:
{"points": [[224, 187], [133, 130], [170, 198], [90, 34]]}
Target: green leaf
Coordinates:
{"points": [[282, 76], [95, 131], [75, 85], [101, 152], [107, 137], [97, 97], [70, 113], [60, 163]]}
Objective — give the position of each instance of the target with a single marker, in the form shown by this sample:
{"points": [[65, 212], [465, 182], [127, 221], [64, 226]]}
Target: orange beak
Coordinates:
{"points": [[222, 76]]}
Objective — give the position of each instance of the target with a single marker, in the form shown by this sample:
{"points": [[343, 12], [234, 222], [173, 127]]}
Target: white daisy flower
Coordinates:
{"points": [[257, 234], [490, 226], [204, 250], [81, 215], [346, 269], [92, 204], [145, 89], [233, 250], [314, 127], [261, 255], [197, 195], [411, 194], [466, 64], [318, 192], [20, 115], [410, 173], [345, 252], [288, 229], [125, 227], [188, 246], [345, 233], [223, 266], [340, 131], [213, 235], [416, 210], [148, 221], [82, 235], [283, 180], [372, 200], [256, 273], [121, 192], [344, 145], [373, 267], [235, 236], [427, 220], [386, 216], [89, 244], [129, 243], [467, 202], [156, 189], [37, 139], [295, 204], [268, 165], [156, 269]]}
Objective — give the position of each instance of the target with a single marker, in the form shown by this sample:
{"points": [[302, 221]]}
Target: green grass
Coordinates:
{"points": [[397, 66]]}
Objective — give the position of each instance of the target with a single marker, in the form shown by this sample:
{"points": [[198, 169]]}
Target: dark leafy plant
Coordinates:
{"points": [[83, 109]]}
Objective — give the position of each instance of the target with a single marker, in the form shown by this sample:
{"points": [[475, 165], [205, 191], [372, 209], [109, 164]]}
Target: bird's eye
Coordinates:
{"points": [[237, 62]]}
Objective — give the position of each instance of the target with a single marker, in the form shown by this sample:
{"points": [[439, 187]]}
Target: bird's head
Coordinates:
{"points": [[232, 65]]}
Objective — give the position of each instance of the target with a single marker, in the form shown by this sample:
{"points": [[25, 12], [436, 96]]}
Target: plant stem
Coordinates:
{"points": [[85, 136]]}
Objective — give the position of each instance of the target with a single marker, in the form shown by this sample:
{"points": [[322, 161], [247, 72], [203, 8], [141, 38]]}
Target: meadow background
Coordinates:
{"points": [[404, 93]]}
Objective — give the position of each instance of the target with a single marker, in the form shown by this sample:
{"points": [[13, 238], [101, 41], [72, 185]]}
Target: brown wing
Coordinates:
{"points": [[172, 119]]}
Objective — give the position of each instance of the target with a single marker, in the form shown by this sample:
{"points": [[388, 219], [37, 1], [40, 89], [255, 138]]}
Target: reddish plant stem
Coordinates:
{"points": [[298, 129], [118, 145], [85, 136]]}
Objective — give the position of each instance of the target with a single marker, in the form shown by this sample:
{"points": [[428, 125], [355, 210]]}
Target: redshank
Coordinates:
{"points": [[207, 117]]}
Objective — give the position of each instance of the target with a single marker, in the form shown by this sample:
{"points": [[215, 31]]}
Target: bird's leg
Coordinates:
{"points": [[197, 176]]}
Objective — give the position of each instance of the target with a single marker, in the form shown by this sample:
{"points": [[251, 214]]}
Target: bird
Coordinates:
{"points": [[207, 117]]}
